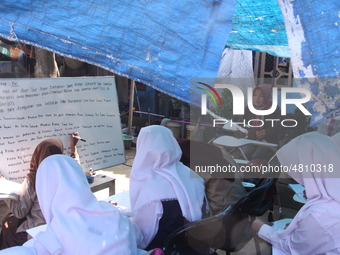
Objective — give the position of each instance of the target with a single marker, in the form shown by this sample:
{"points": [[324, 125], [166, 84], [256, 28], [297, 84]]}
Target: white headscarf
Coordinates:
{"points": [[157, 174], [322, 188], [336, 138], [76, 222]]}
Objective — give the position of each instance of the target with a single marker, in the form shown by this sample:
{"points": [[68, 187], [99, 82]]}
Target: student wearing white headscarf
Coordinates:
{"points": [[316, 227], [164, 193], [25, 211], [77, 223], [336, 138]]}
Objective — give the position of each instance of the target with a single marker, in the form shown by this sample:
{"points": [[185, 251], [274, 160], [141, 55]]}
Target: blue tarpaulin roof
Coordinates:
{"points": [[166, 43], [160, 43]]}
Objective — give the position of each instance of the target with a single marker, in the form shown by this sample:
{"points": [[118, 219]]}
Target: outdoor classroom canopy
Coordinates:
{"points": [[165, 43]]}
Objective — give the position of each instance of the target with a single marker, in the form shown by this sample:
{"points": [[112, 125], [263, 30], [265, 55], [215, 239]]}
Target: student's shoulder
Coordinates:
{"points": [[327, 209]]}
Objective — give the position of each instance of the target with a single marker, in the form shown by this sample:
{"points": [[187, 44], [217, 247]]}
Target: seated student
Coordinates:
{"points": [[316, 227], [164, 193], [77, 223], [221, 188], [25, 211], [336, 138], [268, 132]]}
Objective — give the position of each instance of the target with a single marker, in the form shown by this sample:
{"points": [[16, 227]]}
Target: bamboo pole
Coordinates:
{"points": [[132, 91]]}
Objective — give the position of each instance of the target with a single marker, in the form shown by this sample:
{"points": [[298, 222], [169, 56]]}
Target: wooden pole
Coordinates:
{"points": [[149, 118], [45, 65], [132, 95]]}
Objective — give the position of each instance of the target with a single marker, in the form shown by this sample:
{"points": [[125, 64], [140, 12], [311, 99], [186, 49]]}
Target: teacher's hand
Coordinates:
{"points": [[73, 139], [74, 153]]}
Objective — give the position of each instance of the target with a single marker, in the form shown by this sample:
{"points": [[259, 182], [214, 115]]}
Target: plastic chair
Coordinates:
{"points": [[237, 232], [268, 202], [233, 143], [229, 230], [196, 238], [273, 190]]}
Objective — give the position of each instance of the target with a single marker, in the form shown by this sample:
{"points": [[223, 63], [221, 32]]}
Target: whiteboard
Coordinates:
{"points": [[32, 110]]}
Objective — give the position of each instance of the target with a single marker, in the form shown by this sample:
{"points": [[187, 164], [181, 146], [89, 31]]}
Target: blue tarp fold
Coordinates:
{"points": [[258, 25], [160, 43]]}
